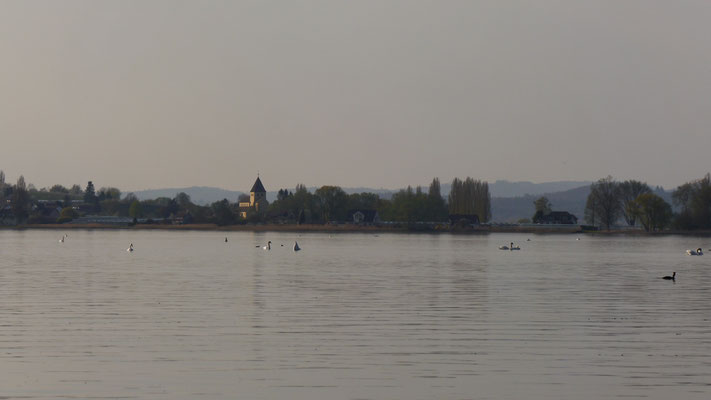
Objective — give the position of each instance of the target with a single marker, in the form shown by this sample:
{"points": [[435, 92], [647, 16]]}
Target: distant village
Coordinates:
{"points": [[611, 205], [92, 208]]}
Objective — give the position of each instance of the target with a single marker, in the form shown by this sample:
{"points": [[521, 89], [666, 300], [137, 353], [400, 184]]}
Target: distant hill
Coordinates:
{"points": [[502, 188], [198, 194], [499, 188], [511, 209], [206, 195], [383, 193]]}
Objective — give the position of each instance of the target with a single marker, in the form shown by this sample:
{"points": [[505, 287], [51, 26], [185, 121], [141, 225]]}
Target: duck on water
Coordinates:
{"points": [[670, 278], [697, 252]]}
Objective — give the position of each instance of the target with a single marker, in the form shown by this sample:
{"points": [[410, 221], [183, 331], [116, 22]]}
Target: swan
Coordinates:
{"points": [[130, 248], [697, 252], [296, 246], [62, 239], [670, 278], [268, 246], [503, 247], [225, 240]]}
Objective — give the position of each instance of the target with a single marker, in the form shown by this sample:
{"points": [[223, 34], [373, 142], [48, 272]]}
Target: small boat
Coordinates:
{"points": [[504, 247], [515, 248]]}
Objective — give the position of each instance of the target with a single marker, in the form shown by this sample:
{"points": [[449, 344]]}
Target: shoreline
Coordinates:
{"points": [[344, 228]]}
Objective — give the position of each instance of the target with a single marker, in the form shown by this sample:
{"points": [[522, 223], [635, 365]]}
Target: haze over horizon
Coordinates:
{"points": [[146, 95]]}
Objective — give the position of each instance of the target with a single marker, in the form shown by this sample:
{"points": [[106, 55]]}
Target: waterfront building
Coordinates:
{"points": [[257, 200]]}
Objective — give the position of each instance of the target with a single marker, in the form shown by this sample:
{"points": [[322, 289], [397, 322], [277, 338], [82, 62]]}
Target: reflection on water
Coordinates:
{"points": [[352, 316]]}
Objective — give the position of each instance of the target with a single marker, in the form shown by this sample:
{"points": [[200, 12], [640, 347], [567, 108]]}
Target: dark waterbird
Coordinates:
{"points": [[670, 278]]}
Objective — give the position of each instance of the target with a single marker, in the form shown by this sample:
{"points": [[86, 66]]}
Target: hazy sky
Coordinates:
{"points": [[149, 94]]}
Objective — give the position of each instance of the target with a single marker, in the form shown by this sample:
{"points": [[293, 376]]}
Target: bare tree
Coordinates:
{"points": [[543, 207], [604, 202], [694, 198], [654, 213], [543, 204], [629, 192]]}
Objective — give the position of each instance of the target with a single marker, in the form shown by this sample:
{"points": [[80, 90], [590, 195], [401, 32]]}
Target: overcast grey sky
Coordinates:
{"points": [[149, 94]]}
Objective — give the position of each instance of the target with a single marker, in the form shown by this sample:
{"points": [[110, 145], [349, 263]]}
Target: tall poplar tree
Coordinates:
{"points": [[470, 197], [21, 200]]}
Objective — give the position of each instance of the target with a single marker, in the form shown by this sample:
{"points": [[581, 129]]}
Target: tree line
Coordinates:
{"points": [[410, 205], [609, 203], [635, 204], [326, 204]]}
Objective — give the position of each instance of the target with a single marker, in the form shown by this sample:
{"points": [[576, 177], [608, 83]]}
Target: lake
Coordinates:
{"points": [[352, 316]]}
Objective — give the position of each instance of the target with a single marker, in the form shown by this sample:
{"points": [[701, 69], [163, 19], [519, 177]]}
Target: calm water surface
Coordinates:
{"points": [[352, 316]]}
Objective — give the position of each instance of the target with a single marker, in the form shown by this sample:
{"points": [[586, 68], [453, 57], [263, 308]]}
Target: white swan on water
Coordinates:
{"points": [[268, 246], [296, 246], [130, 248], [512, 247], [62, 239]]}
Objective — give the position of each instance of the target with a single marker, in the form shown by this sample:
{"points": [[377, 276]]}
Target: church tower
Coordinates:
{"points": [[258, 196], [257, 200]]}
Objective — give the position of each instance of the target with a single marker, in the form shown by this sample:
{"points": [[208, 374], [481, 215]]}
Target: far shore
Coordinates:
{"points": [[350, 228]]}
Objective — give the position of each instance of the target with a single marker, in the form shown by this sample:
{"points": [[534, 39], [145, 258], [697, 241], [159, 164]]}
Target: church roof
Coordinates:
{"points": [[258, 187]]}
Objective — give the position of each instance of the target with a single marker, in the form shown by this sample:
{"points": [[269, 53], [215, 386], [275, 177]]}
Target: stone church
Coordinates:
{"points": [[257, 200]]}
